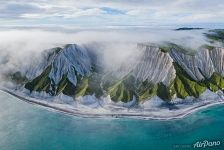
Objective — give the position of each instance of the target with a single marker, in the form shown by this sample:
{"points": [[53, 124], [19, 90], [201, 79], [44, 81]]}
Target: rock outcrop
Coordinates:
{"points": [[168, 75]]}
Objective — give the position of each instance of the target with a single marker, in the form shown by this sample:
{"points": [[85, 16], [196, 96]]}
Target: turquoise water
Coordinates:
{"points": [[27, 127]]}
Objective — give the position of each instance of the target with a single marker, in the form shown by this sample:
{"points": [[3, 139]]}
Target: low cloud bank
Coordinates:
{"points": [[21, 48]]}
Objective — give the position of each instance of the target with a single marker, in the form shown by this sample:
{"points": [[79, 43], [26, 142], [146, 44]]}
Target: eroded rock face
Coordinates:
{"points": [[155, 66], [217, 57], [36, 67], [205, 63], [156, 73], [201, 65], [71, 61]]}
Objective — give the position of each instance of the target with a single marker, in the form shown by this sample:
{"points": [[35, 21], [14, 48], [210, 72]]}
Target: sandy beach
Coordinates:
{"points": [[160, 112]]}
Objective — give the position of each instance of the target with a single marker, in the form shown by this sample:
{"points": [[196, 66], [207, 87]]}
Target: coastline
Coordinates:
{"points": [[164, 114]]}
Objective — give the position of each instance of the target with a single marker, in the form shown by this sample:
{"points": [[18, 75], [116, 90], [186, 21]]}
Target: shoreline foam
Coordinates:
{"points": [[159, 113]]}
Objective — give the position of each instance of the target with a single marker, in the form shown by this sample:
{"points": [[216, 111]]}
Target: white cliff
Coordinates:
{"points": [[154, 66], [202, 64], [71, 61], [217, 57], [36, 67]]}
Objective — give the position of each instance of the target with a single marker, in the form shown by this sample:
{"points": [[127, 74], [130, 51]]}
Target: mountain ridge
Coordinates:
{"points": [[140, 82], [165, 70]]}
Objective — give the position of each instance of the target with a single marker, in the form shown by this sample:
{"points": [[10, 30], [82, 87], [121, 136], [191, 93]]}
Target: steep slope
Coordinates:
{"points": [[168, 74], [73, 61], [63, 71], [201, 65], [46, 59], [153, 68], [171, 74], [197, 72]]}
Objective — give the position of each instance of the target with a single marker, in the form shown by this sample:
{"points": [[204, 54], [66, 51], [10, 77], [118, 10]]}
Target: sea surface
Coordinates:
{"points": [[25, 126]]}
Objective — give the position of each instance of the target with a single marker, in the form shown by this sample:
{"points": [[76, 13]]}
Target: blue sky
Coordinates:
{"points": [[91, 13]]}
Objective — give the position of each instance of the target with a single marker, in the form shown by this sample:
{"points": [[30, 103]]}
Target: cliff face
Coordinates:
{"points": [[154, 66], [217, 57], [165, 74], [45, 60], [202, 65], [62, 71], [71, 61]]}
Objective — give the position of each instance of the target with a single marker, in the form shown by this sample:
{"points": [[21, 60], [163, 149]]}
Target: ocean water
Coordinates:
{"points": [[27, 127]]}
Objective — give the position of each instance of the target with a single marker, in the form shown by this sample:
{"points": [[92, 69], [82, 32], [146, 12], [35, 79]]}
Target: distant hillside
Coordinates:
{"points": [[187, 28]]}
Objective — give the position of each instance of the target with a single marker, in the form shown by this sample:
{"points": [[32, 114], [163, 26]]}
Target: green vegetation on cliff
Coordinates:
{"points": [[180, 88], [94, 85], [168, 46], [121, 90], [85, 85], [81, 87], [40, 83], [166, 92], [146, 90], [215, 82], [126, 88], [216, 35]]}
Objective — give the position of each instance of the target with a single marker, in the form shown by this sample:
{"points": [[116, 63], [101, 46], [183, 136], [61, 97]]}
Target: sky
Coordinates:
{"points": [[106, 13]]}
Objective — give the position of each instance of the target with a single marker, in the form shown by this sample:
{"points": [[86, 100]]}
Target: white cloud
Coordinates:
{"points": [[137, 12], [21, 48], [74, 13], [134, 12], [86, 12]]}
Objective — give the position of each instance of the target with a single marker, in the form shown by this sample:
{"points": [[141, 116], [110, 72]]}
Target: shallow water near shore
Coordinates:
{"points": [[24, 126]]}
